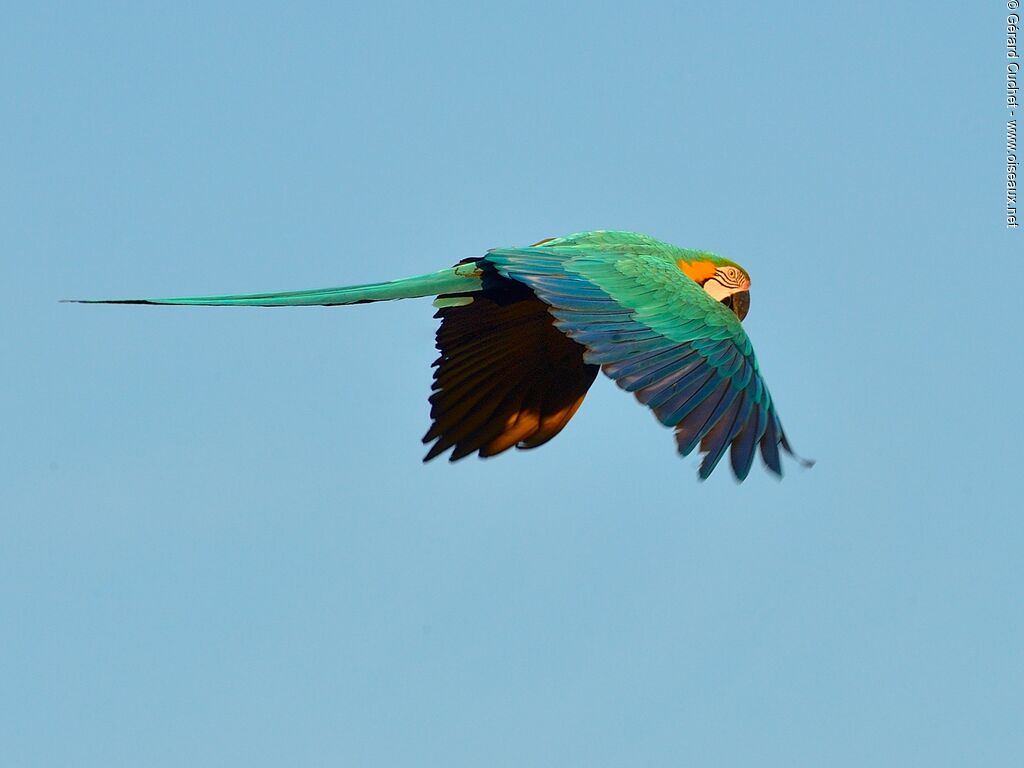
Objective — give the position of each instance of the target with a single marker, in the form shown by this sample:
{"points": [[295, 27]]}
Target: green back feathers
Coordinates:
{"points": [[636, 244]]}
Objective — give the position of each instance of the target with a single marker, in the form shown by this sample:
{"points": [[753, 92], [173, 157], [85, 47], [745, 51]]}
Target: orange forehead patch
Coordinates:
{"points": [[698, 271]]}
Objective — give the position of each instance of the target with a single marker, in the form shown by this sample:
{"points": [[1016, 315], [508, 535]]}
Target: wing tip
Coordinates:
{"points": [[784, 442]]}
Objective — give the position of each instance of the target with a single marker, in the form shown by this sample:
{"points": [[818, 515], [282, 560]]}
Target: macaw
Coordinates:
{"points": [[525, 330]]}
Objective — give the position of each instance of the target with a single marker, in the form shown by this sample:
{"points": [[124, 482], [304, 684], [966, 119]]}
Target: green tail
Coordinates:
{"points": [[462, 278]]}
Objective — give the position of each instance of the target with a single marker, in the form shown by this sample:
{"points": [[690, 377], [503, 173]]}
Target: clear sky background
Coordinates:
{"points": [[218, 545]]}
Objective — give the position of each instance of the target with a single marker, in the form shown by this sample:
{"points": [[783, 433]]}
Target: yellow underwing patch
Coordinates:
{"points": [[541, 242], [698, 271]]}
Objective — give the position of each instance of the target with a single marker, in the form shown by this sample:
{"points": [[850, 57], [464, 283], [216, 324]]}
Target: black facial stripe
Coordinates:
{"points": [[723, 279]]}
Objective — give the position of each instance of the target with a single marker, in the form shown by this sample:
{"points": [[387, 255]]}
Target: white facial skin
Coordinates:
{"points": [[725, 282]]}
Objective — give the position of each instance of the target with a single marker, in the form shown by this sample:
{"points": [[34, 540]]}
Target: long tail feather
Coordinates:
{"points": [[463, 278]]}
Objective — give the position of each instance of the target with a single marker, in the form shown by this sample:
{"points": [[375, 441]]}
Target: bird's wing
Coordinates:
{"points": [[659, 335], [505, 377]]}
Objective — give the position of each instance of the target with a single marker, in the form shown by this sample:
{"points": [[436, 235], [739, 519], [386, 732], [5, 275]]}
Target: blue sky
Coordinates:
{"points": [[219, 544]]}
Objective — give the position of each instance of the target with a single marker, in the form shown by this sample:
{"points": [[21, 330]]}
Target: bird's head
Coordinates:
{"points": [[723, 280]]}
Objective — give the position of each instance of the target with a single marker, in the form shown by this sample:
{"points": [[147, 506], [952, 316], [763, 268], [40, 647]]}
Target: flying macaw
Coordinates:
{"points": [[524, 332]]}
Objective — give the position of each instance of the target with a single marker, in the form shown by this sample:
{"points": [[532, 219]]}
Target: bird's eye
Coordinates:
{"points": [[729, 276]]}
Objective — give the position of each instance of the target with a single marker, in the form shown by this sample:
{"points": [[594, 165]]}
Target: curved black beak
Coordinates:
{"points": [[739, 303]]}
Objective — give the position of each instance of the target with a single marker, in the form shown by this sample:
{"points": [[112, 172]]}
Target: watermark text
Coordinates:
{"points": [[1012, 72]]}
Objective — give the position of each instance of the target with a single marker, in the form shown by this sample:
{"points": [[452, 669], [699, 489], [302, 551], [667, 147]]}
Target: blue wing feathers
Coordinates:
{"points": [[672, 382], [681, 354], [770, 445], [691, 417], [650, 361], [676, 362], [673, 405], [700, 422], [615, 352], [718, 439], [626, 335], [665, 378]]}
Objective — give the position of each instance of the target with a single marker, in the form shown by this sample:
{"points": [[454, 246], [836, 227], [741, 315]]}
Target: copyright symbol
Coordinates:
{"points": [[1013, 4]]}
